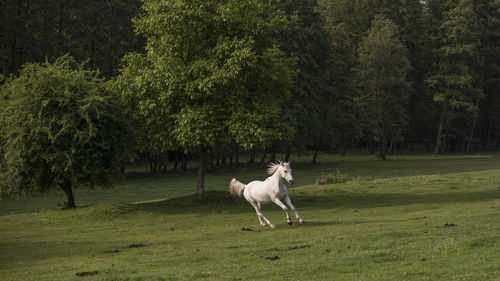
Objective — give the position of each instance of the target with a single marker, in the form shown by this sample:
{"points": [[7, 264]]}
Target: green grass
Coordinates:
{"points": [[410, 218]]}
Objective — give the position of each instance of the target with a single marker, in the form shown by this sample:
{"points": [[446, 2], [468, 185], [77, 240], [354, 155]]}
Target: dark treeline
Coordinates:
{"points": [[385, 75], [98, 31]]}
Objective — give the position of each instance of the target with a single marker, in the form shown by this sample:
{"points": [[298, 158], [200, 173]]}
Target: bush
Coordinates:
{"points": [[60, 127], [331, 178]]}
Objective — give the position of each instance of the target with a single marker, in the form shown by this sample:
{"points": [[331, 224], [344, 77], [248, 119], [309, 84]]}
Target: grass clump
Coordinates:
{"points": [[332, 178], [107, 210]]}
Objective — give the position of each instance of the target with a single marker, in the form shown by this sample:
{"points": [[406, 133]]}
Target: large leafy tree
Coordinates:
{"points": [[454, 81], [59, 127], [212, 71], [382, 79]]}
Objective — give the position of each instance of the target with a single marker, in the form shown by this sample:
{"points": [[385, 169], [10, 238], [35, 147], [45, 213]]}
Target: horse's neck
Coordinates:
{"points": [[276, 178]]}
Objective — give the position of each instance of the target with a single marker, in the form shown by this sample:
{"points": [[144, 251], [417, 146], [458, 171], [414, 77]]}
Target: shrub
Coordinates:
{"points": [[331, 178]]}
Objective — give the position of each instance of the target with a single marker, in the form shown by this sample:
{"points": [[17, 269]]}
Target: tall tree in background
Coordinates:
{"points": [[454, 82], [382, 73], [306, 40], [488, 12], [212, 70], [59, 127]]}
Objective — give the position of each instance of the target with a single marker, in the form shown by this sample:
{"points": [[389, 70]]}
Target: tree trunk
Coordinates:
{"points": [[69, 195], [218, 156], [383, 148], [488, 134], [440, 130], [391, 145], [201, 174], [370, 145], [287, 154], [313, 161], [474, 121], [211, 158], [263, 159], [341, 148], [231, 158], [184, 161], [272, 159], [177, 158], [223, 161], [252, 156], [236, 155]]}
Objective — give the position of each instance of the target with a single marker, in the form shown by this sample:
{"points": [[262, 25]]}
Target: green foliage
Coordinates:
{"points": [[60, 127], [455, 81], [382, 79], [212, 71]]}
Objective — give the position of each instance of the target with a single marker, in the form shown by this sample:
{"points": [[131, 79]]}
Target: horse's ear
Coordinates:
{"points": [[279, 162]]}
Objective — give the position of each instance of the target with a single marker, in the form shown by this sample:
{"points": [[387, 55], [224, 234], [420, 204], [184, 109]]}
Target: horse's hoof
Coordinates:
{"points": [[302, 222], [272, 225], [289, 222]]}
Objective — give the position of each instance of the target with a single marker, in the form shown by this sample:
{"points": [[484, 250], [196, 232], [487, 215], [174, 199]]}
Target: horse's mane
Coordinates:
{"points": [[272, 167]]}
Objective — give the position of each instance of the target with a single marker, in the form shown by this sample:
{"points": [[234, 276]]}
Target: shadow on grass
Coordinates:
{"points": [[221, 202]]}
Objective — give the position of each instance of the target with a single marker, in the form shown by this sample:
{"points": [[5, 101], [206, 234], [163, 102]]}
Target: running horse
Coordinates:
{"points": [[272, 189]]}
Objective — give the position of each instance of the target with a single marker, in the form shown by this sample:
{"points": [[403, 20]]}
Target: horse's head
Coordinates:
{"points": [[285, 172]]}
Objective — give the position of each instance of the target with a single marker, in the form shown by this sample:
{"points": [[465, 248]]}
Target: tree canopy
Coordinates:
{"points": [[382, 81], [60, 127], [212, 71]]}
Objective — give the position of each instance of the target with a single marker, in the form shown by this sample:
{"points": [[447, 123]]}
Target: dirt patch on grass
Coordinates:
{"points": [[299, 247], [137, 245], [87, 273], [112, 251]]}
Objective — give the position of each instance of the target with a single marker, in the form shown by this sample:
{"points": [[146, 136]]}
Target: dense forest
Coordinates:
{"points": [[389, 76]]}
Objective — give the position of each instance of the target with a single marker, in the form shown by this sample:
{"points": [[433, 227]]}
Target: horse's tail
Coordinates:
{"points": [[236, 187]]}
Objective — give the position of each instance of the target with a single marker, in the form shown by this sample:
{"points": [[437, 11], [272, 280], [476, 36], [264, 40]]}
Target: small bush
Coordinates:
{"points": [[331, 178]]}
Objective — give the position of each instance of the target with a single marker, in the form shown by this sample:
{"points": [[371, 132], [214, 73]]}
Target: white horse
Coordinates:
{"points": [[273, 189]]}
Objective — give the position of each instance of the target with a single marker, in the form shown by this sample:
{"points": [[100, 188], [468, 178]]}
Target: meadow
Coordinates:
{"points": [[412, 217]]}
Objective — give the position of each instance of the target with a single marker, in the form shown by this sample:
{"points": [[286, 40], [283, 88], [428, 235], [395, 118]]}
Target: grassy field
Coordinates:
{"points": [[413, 217]]}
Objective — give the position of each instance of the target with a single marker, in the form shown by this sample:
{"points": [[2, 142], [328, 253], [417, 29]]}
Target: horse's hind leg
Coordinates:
{"points": [[261, 216], [289, 203]]}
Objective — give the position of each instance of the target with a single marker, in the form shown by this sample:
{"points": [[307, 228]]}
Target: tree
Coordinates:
{"points": [[488, 12], [454, 81], [382, 70], [212, 71], [306, 40], [61, 128]]}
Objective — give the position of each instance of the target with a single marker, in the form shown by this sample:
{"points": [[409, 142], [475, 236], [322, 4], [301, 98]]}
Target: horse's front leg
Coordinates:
{"points": [[289, 203], [279, 203]]}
